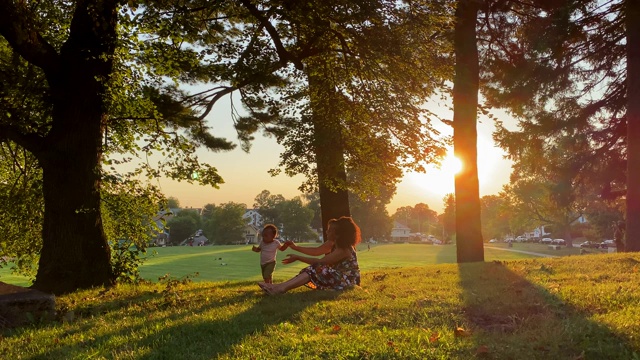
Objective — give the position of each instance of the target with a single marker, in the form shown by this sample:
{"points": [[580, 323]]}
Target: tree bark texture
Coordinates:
{"points": [[465, 103], [633, 126], [329, 151], [75, 252]]}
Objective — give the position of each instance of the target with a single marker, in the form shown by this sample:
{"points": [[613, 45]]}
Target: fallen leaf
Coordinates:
{"points": [[482, 350], [460, 332], [434, 337], [316, 328], [336, 328], [579, 357], [390, 343], [635, 269], [379, 277]]}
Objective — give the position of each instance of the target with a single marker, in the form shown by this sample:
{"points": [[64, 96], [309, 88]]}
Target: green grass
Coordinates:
{"points": [[238, 262], [577, 307], [544, 249], [220, 263]]}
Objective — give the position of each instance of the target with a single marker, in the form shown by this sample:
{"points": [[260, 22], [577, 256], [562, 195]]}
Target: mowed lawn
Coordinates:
{"points": [[239, 263], [570, 307]]}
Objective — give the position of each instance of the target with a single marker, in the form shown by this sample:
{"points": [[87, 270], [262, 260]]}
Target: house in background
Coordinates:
{"points": [[400, 232], [253, 217], [251, 234], [160, 236]]}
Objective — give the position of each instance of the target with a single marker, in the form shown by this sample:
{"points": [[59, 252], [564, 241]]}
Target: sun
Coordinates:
{"points": [[451, 165], [432, 186], [437, 180]]}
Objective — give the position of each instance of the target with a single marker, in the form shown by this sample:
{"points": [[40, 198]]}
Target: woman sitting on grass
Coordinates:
{"points": [[337, 270]]}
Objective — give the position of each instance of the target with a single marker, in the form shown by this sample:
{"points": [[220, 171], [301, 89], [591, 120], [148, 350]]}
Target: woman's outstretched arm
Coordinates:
{"points": [[332, 258], [323, 249]]}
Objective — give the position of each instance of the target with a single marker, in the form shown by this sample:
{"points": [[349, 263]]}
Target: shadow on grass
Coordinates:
{"points": [[167, 336], [509, 316], [215, 338]]}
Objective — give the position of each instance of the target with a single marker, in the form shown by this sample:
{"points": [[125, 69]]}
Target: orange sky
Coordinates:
{"points": [[246, 175]]}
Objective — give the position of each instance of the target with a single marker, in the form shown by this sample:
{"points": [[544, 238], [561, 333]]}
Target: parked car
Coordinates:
{"points": [[558, 242], [590, 245], [493, 241], [546, 241], [607, 244]]}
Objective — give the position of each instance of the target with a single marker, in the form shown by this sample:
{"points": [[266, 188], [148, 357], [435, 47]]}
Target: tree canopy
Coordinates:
{"points": [[99, 95], [564, 69]]}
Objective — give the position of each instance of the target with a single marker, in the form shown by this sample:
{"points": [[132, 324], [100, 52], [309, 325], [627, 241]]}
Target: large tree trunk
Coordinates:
{"points": [[75, 253], [334, 202], [465, 104], [329, 150], [633, 126]]}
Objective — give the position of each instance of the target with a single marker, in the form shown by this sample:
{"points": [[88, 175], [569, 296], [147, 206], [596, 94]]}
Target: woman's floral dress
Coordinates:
{"points": [[339, 276]]}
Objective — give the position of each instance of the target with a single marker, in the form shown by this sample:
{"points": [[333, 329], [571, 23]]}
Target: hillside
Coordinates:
{"points": [[577, 307]]}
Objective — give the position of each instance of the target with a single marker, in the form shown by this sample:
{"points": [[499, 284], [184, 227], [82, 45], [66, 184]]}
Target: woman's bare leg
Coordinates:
{"points": [[292, 283]]}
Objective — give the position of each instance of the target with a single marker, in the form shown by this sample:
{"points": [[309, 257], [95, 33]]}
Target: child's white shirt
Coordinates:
{"points": [[268, 251]]}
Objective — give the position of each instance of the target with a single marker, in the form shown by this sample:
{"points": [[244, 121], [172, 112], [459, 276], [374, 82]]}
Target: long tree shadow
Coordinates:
{"points": [[529, 318], [214, 338], [164, 335]]}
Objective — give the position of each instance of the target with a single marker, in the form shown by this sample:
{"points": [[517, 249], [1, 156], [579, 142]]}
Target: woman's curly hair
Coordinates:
{"points": [[346, 230]]}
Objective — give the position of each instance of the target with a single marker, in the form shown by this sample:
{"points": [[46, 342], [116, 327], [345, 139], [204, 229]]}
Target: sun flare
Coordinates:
{"points": [[430, 187], [438, 180], [451, 165]]}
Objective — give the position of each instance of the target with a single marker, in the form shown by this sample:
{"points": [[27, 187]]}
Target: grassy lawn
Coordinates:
{"points": [[238, 262], [577, 307], [544, 249]]}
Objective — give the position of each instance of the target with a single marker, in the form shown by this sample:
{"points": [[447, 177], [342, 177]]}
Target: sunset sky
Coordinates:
{"points": [[246, 174]]}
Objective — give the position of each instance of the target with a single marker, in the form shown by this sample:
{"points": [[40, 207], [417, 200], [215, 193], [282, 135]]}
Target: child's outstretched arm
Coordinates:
{"points": [[256, 248]]}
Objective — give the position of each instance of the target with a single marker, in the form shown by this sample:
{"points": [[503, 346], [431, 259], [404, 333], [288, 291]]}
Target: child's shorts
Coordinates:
{"points": [[267, 269]]}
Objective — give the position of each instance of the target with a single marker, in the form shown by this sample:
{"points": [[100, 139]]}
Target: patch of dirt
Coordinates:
{"points": [[11, 289]]}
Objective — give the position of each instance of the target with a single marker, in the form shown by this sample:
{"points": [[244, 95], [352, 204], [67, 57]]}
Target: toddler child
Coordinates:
{"points": [[268, 247]]}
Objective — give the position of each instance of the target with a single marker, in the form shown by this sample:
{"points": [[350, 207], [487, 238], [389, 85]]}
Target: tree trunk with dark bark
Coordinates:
{"points": [[75, 253], [329, 151], [334, 202], [633, 126], [465, 104]]}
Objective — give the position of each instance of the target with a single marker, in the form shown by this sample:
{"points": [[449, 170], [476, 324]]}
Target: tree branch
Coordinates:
{"points": [[17, 28], [32, 142], [284, 55]]}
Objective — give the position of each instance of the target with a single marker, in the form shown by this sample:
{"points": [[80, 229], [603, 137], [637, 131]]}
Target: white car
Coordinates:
{"points": [[607, 244], [493, 241], [546, 241], [558, 241]]}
